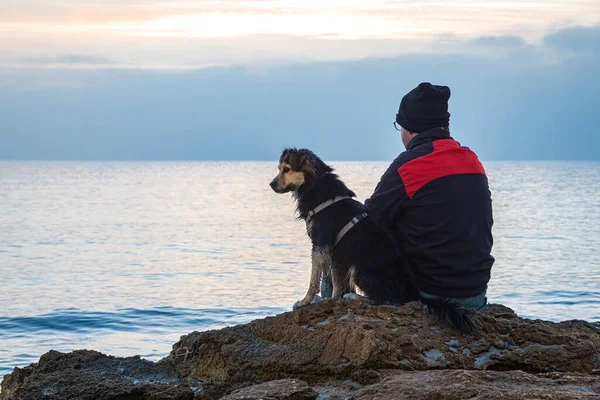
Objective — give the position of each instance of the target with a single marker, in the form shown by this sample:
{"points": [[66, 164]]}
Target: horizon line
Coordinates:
{"points": [[6, 160]]}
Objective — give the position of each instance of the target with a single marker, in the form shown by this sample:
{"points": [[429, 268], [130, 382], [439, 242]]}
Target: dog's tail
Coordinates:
{"points": [[450, 313]]}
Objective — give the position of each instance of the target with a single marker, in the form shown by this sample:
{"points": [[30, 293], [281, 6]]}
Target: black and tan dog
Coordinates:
{"points": [[348, 245]]}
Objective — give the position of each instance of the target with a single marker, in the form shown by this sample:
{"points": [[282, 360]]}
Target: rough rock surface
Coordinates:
{"points": [[341, 349], [481, 385], [336, 338], [283, 389], [91, 375]]}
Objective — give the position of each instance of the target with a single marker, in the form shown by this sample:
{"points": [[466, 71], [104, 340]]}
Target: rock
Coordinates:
{"points": [[481, 385], [338, 338], [340, 349], [283, 389], [366, 376], [91, 375]]}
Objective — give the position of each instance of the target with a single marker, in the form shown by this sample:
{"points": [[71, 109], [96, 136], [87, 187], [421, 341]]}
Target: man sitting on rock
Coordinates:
{"points": [[435, 199]]}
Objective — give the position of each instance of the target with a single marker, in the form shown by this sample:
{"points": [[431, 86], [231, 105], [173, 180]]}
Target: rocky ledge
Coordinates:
{"points": [[339, 350]]}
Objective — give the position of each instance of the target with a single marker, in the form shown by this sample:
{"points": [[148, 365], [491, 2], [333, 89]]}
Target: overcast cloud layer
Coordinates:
{"points": [[535, 102], [160, 34], [241, 79]]}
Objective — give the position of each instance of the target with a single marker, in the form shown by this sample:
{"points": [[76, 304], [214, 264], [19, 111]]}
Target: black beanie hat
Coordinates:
{"points": [[424, 107]]}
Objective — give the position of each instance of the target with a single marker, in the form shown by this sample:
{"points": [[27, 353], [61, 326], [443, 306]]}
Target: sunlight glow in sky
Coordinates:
{"points": [[352, 20], [124, 30]]}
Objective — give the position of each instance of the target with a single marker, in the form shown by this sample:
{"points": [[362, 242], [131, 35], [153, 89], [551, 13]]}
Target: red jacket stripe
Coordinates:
{"points": [[447, 158]]}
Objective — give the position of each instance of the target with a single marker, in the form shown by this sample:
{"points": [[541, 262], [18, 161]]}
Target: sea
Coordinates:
{"points": [[125, 257]]}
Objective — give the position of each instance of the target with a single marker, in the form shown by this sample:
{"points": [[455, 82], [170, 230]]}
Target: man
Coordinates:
{"points": [[435, 199]]}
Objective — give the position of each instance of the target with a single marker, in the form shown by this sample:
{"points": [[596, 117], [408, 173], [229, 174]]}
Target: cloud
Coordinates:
{"points": [[260, 51], [69, 59], [398, 19], [264, 51], [576, 39], [510, 42], [150, 52], [62, 61], [512, 107]]}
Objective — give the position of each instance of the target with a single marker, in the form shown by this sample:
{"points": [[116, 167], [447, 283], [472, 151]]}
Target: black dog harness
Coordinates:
{"points": [[346, 227]]}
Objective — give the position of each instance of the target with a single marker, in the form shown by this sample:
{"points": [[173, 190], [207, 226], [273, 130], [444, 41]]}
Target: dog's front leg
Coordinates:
{"points": [[320, 259]]}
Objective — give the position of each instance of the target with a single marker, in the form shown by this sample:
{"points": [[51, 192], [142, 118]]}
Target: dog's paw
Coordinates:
{"points": [[298, 305], [303, 302]]}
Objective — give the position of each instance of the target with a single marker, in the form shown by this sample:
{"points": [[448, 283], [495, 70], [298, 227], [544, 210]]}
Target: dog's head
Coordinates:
{"points": [[297, 169]]}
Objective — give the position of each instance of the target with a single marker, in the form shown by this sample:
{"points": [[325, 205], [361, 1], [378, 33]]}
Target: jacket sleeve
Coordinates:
{"points": [[389, 195]]}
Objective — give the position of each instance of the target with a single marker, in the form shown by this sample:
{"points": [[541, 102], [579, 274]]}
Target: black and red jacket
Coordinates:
{"points": [[435, 199]]}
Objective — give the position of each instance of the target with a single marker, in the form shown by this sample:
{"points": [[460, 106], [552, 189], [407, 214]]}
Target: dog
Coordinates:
{"points": [[350, 251]]}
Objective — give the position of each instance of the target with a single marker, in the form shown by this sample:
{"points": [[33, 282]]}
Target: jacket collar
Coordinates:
{"points": [[429, 136]]}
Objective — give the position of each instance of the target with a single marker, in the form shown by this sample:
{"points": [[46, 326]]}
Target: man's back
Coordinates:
{"points": [[435, 199], [443, 222]]}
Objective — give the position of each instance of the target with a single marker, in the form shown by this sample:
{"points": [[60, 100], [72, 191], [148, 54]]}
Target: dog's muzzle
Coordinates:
{"points": [[274, 185]]}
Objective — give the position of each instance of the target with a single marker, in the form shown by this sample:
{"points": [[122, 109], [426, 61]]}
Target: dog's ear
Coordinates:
{"points": [[296, 160], [303, 162], [285, 156]]}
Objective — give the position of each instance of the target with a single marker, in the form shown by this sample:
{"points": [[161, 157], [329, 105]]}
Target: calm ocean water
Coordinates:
{"points": [[126, 257]]}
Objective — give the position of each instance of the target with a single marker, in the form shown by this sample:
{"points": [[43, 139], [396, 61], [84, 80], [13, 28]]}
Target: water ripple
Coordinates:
{"points": [[129, 319], [125, 258], [77, 326]]}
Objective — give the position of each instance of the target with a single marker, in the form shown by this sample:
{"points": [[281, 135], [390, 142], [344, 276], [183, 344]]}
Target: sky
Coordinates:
{"points": [[241, 79]]}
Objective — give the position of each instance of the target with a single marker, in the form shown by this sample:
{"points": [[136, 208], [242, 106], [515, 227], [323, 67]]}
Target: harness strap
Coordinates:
{"points": [[323, 206], [349, 226]]}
